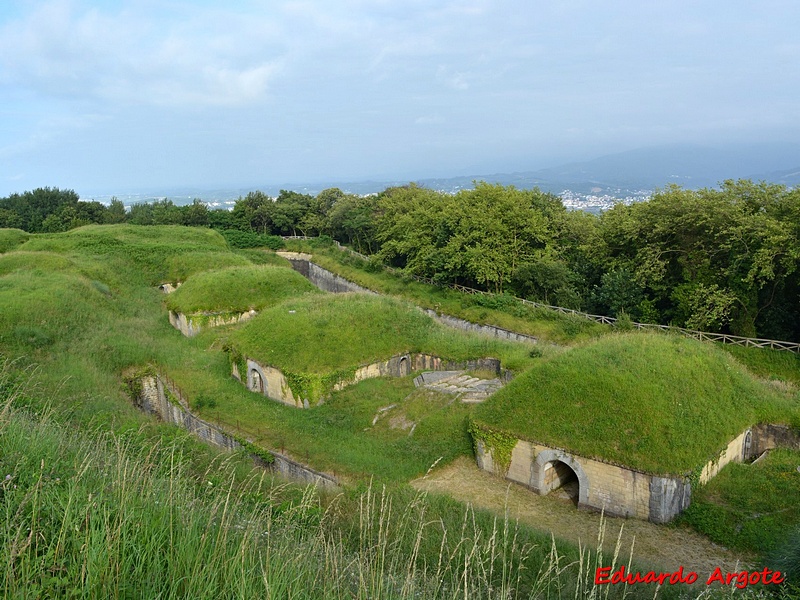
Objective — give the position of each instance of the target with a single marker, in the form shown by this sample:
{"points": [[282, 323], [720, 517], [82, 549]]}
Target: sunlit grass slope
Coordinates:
{"points": [[11, 238], [151, 255], [317, 334], [659, 403], [238, 289]]}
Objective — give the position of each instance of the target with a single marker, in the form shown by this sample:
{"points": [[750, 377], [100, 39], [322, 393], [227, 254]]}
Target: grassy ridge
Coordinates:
{"points": [[238, 289], [151, 254], [500, 311], [659, 403], [11, 238], [318, 334]]}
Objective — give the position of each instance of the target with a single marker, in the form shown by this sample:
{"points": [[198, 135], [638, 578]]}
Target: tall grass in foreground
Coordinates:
{"points": [[105, 516]]}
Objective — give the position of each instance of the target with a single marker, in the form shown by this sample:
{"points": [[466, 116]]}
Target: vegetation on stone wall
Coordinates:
{"points": [[660, 403]]}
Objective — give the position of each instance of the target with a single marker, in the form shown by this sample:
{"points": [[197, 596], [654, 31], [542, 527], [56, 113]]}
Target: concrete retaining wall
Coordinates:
{"points": [[271, 382], [489, 330], [166, 402], [620, 490], [191, 325]]}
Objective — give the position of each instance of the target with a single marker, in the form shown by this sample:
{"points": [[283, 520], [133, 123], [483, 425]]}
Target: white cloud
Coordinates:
{"points": [[61, 50]]}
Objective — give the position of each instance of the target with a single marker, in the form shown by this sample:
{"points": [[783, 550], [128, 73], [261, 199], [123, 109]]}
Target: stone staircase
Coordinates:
{"points": [[468, 388]]}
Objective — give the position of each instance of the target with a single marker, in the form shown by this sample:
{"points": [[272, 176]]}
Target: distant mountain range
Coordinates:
{"points": [[618, 175], [649, 168]]}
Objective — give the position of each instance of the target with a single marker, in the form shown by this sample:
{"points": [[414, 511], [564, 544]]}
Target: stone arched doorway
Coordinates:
{"points": [[556, 470], [404, 366], [256, 381]]}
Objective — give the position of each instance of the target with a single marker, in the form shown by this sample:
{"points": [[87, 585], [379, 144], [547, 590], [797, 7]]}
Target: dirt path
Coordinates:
{"points": [[656, 546]]}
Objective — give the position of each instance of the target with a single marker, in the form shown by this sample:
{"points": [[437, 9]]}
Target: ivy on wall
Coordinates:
{"points": [[499, 443]]}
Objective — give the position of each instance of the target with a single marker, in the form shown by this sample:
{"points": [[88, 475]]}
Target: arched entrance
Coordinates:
{"points": [[557, 471], [561, 481], [256, 381], [405, 366]]}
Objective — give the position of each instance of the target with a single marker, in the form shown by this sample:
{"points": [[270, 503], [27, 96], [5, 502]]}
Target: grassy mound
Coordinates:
{"points": [[238, 289], [11, 238], [323, 333], [149, 255], [659, 403], [29, 261], [41, 308]]}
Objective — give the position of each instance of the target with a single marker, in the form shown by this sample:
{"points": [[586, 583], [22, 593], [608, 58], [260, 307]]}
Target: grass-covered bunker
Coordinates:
{"points": [[232, 295], [303, 349], [630, 423]]}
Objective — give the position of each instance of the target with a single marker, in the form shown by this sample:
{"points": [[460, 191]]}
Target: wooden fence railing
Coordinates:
{"points": [[724, 338]]}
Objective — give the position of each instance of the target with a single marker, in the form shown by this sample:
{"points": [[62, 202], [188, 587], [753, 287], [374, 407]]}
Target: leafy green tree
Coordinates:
{"points": [[116, 211], [195, 214]]}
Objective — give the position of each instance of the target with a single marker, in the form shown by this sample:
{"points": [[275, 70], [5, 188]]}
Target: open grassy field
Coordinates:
{"points": [[659, 403]]}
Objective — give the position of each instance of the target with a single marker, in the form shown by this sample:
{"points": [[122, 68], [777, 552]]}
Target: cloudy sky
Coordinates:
{"points": [[133, 94]]}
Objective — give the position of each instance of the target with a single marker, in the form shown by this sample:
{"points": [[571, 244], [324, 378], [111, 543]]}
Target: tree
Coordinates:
{"points": [[116, 211]]}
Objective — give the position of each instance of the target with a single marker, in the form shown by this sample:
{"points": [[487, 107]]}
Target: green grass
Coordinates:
{"points": [[150, 513], [152, 254], [772, 365], [103, 529], [238, 289], [500, 311], [658, 403], [320, 334], [11, 238], [750, 507]]}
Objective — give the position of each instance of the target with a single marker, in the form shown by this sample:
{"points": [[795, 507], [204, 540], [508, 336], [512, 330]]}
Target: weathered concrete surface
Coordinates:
{"points": [[490, 330], [165, 401], [624, 491], [271, 382], [191, 325], [466, 387]]}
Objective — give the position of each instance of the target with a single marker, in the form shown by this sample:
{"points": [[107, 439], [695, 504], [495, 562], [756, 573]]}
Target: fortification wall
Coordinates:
{"points": [[620, 490], [615, 489], [164, 401], [271, 382], [191, 325], [769, 436]]}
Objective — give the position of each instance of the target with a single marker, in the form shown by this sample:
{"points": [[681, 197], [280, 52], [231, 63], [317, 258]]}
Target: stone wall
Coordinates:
{"points": [[733, 452], [620, 490], [769, 436], [191, 325], [617, 490], [489, 330], [271, 382], [165, 401]]}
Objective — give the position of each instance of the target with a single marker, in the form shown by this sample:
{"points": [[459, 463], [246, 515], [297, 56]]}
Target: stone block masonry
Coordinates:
{"points": [[160, 398], [623, 491], [191, 325]]}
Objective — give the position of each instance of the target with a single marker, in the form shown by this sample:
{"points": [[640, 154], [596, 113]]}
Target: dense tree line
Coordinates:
{"points": [[714, 259]]}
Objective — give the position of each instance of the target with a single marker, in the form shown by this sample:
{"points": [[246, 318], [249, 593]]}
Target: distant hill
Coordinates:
{"points": [[618, 175]]}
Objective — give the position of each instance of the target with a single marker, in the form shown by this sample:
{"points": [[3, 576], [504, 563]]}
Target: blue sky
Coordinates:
{"points": [[134, 94]]}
